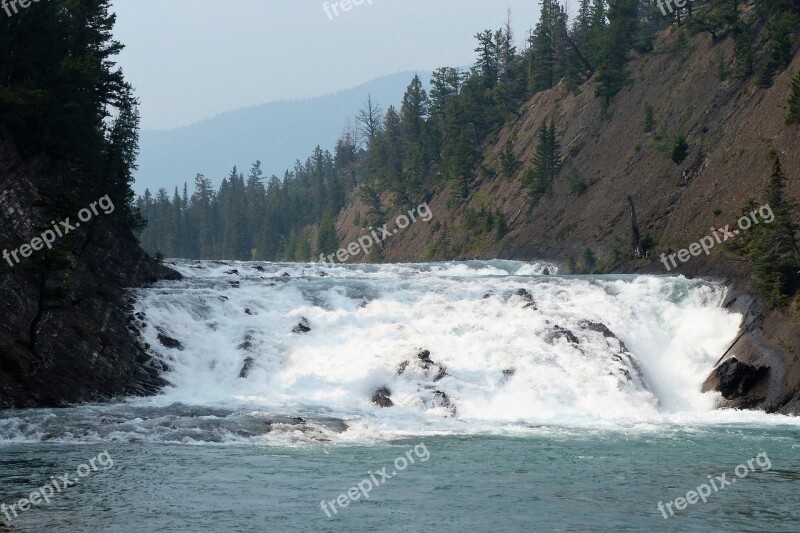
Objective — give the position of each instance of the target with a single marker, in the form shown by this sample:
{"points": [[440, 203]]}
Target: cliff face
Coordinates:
{"points": [[83, 347], [733, 129]]}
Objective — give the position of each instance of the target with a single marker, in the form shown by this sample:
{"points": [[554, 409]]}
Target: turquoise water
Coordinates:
{"points": [[562, 480]]}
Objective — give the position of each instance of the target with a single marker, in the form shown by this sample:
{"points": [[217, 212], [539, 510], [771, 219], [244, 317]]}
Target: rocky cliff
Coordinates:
{"points": [[65, 332]]}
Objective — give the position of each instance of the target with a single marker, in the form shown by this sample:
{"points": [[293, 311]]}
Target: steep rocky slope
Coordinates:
{"points": [[84, 349], [733, 130]]}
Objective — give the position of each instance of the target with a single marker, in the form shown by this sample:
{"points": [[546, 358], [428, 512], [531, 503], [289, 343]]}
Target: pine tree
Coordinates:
{"points": [[680, 150], [618, 40], [547, 48], [414, 111], [328, 240], [582, 23], [780, 32], [123, 148], [445, 87], [546, 163], [255, 198], [508, 160], [203, 216], [793, 116], [771, 246], [488, 63], [598, 24], [649, 121]]}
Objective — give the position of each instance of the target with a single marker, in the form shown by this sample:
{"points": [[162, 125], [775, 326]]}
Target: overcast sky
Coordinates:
{"points": [[191, 59]]}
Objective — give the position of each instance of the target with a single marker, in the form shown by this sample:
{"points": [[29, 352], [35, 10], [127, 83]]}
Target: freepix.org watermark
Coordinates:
{"points": [[366, 242], [717, 483], [48, 237], [365, 486], [57, 485], [666, 5], [12, 7], [332, 10], [709, 241]]}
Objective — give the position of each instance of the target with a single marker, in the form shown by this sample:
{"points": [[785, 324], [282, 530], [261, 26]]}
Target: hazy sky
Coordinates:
{"points": [[191, 59]]}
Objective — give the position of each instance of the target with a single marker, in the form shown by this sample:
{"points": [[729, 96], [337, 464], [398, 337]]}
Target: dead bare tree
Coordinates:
{"points": [[370, 119]]}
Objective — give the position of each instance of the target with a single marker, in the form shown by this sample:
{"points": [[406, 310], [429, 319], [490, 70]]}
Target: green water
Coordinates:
{"points": [[557, 480]]}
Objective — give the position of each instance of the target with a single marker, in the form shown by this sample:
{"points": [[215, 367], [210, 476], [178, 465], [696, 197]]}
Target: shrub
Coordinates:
{"points": [[649, 121], [680, 150], [794, 102]]}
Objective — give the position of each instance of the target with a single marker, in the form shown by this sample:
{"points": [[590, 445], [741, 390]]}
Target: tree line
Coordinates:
{"points": [[438, 137], [62, 97]]}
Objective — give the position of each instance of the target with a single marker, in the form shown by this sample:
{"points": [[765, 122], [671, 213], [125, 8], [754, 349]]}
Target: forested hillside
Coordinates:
{"points": [[409, 151], [400, 157]]}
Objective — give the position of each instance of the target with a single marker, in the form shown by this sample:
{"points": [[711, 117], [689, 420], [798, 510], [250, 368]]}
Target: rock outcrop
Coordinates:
{"points": [[382, 397], [67, 331], [735, 379]]}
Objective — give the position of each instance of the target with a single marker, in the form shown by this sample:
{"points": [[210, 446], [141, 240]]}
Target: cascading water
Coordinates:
{"points": [[286, 353]]}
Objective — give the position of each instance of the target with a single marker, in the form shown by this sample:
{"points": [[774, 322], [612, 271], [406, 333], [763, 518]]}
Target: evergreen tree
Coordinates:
{"points": [[781, 33], [548, 47], [445, 86], [794, 102], [623, 19], [508, 160], [255, 198], [772, 247], [328, 241], [680, 150], [204, 218], [546, 163], [414, 111], [649, 121], [598, 24], [488, 63]]}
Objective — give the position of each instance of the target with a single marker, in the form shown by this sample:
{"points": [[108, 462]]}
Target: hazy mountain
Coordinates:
{"points": [[276, 133]]}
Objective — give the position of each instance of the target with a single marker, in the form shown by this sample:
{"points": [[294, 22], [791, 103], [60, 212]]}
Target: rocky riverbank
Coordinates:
{"points": [[65, 330]]}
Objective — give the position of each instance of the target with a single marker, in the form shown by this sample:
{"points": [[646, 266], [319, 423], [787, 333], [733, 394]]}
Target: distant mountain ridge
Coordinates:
{"points": [[276, 133]]}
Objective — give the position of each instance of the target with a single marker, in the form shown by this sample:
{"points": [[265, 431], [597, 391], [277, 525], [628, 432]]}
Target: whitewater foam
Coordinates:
{"points": [[513, 349]]}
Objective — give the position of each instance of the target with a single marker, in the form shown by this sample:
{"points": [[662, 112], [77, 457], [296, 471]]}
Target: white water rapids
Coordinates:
{"points": [[460, 348]]}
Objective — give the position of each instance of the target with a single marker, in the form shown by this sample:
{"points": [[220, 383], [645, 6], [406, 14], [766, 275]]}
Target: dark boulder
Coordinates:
{"points": [[425, 357], [508, 373], [526, 297], [382, 397], [402, 367], [302, 327], [441, 399], [430, 367], [440, 374], [597, 327], [169, 342], [559, 332], [248, 364], [735, 379]]}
